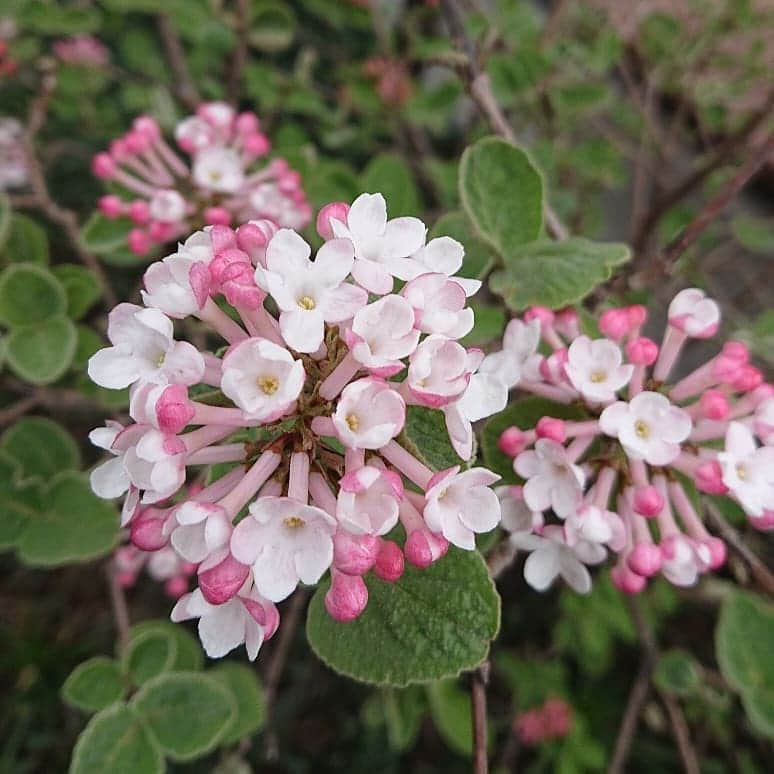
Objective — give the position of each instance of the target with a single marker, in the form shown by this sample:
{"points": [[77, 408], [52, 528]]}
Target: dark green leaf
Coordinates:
{"points": [[42, 352], [81, 286], [29, 294], [26, 241], [94, 684], [244, 685], [390, 175], [40, 448]]}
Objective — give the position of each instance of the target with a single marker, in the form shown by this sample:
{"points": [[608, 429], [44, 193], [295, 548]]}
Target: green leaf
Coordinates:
{"points": [[523, 414], [81, 287], [754, 233], [149, 654], [26, 241], [244, 685], [40, 448], [42, 352], [431, 624], [74, 525], [479, 256], [102, 235], [450, 707], [403, 711], [116, 742], [677, 672], [743, 642], [88, 342], [390, 175], [19, 502], [426, 437], [29, 294], [555, 274], [759, 706], [94, 684], [5, 218], [502, 193], [188, 713], [272, 26], [188, 652], [489, 324]]}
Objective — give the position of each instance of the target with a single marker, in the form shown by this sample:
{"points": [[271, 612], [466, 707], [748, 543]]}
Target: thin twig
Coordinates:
{"points": [[628, 727], [118, 603], [15, 410], [479, 88], [184, 85], [239, 59], [478, 698], [276, 667], [664, 262], [762, 574]]}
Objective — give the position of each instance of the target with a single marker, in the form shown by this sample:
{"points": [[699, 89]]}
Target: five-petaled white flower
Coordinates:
{"points": [[595, 368], [748, 470], [369, 414]]}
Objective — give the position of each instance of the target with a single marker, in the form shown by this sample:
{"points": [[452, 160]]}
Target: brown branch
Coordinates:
{"points": [[184, 85], [118, 603], [239, 59], [628, 727], [15, 410], [479, 87], [664, 262], [760, 572], [478, 699], [276, 667]]}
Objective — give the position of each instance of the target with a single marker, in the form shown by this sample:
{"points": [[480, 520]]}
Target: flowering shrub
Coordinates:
{"points": [[166, 198]]}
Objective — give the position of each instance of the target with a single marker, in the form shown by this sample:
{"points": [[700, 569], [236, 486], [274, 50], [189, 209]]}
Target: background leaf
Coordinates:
{"points": [[94, 684]]}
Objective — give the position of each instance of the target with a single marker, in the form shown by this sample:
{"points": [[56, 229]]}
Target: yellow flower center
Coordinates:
{"points": [[160, 359], [353, 423], [598, 376], [268, 384], [293, 522], [215, 176], [642, 429], [741, 472], [306, 302]]}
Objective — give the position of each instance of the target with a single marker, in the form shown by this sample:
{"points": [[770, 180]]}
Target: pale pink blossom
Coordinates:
{"points": [[595, 369], [368, 500], [748, 470], [369, 414], [553, 480]]}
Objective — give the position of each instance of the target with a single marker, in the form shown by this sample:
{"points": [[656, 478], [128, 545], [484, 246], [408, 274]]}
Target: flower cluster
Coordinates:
{"points": [[84, 50], [228, 179], [274, 459], [623, 478], [14, 169], [551, 720]]}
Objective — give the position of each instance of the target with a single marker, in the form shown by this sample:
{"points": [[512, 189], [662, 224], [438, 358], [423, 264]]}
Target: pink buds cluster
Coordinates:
{"points": [[617, 480], [227, 178], [551, 720], [270, 454]]}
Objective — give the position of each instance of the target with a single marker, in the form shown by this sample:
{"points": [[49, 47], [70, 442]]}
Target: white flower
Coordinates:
{"points": [[167, 206], [439, 305], [694, 314], [518, 358], [649, 427], [368, 500], [553, 481], [225, 627], [460, 504], [199, 530], [516, 514], [444, 255], [143, 349], [595, 525], [309, 293], [369, 414], [383, 334], [155, 464], [764, 421], [748, 470], [261, 378], [439, 371], [218, 169], [286, 542], [193, 134], [382, 247], [683, 559], [110, 479], [595, 369]]}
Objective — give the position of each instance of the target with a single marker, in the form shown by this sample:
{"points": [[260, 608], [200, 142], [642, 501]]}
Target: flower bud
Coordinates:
{"points": [[717, 552], [747, 378], [648, 501], [147, 530], [642, 351], [264, 613], [627, 580], [176, 587], [511, 441], [246, 123], [222, 581], [103, 166], [713, 404], [139, 212], [217, 216], [138, 240], [335, 210], [256, 144], [147, 126], [423, 548], [354, 554], [554, 429], [764, 522], [645, 560], [173, 409], [709, 478], [542, 313], [615, 323], [347, 597], [389, 561]]}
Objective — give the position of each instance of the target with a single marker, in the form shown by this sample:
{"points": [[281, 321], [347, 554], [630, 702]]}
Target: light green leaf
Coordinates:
{"points": [[115, 741], [430, 624], [555, 274], [188, 656], [26, 241], [489, 324], [754, 233], [29, 294], [149, 654], [102, 235], [390, 175], [40, 448], [81, 287], [523, 414], [243, 683], [188, 713], [426, 437], [677, 672], [5, 218], [88, 342], [502, 193], [759, 706], [94, 684], [19, 501], [272, 26], [74, 525], [403, 710], [450, 707], [42, 352]]}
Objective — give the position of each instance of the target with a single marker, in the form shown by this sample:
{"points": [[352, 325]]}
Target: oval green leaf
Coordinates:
{"points": [[42, 352], [40, 448], [29, 294], [94, 684], [243, 683]]}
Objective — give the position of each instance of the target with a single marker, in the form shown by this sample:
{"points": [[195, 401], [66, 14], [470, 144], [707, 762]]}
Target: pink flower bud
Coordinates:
{"points": [[648, 501], [176, 587], [139, 212], [764, 522], [557, 716], [246, 123], [717, 550], [542, 313], [615, 323], [554, 429], [127, 579], [222, 581], [726, 369], [736, 350], [511, 441], [253, 237], [713, 404], [389, 561], [709, 478], [354, 554], [103, 166], [147, 126], [642, 351], [161, 232], [552, 367], [256, 144], [747, 379], [265, 615], [111, 206], [147, 530], [645, 560], [136, 142], [337, 211], [637, 315], [173, 409], [423, 548], [223, 238], [347, 597], [567, 322], [119, 150], [627, 580], [217, 216]]}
